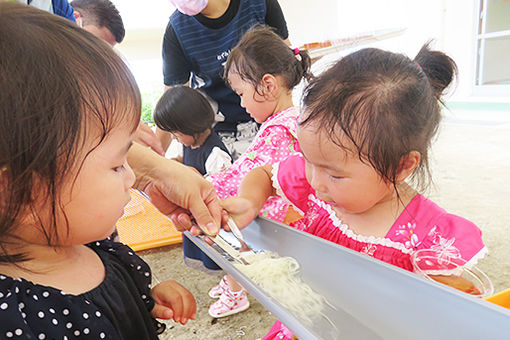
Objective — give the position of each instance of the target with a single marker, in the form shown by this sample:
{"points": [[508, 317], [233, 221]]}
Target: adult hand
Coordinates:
{"points": [[173, 301], [145, 136], [176, 190], [187, 193]]}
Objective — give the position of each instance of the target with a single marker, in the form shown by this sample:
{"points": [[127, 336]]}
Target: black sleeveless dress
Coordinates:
{"points": [[119, 308]]}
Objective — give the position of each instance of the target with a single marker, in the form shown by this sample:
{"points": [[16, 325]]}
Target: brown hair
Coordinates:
{"points": [[59, 83], [261, 51], [386, 104], [184, 110]]}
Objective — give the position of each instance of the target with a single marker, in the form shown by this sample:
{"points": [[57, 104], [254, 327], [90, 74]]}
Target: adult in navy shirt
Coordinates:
{"points": [[196, 46]]}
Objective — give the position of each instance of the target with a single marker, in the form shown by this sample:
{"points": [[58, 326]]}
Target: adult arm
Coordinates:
{"points": [[176, 190], [276, 19], [176, 69], [63, 9]]}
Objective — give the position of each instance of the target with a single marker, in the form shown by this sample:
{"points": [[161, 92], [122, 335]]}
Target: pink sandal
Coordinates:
{"points": [[217, 290], [229, 303]]}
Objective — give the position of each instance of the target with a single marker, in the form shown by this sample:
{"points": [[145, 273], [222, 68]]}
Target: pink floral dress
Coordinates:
{"points": [[422, 225], [275, 141]]}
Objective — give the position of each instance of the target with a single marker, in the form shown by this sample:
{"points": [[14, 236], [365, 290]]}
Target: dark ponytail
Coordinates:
{"points": [[439, 68], [303, 65]]}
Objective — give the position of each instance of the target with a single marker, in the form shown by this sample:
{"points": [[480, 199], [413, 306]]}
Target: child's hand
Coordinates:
{"points": [[241, 210], [173, 301]]}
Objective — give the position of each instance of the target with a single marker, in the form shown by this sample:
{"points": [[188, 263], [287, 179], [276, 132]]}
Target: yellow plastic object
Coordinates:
{"points": [[501, 298], [142, 226]]}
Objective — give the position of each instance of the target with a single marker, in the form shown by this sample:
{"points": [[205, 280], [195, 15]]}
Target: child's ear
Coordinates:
{"points": [[407, 165], [270, 85]]}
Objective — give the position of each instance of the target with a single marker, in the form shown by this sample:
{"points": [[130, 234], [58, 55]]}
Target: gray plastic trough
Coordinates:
{"points": [[371, 299]]}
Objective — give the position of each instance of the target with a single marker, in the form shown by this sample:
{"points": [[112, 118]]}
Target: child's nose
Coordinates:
{"points": [[130, 176], [316, 181]]}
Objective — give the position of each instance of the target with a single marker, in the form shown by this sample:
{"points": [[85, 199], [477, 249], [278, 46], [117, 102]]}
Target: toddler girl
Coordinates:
{"points": [[189, 117], [365, 130], [262, 70], [68, 110]]}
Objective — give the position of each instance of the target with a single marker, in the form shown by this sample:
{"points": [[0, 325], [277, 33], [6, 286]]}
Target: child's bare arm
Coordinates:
{"points": [[253, 192], [257, 186]]}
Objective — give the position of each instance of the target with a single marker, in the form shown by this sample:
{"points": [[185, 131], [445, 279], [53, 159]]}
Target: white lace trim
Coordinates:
{"points": [[344, 228], [478, 256], [380, 240], [279, 191]]}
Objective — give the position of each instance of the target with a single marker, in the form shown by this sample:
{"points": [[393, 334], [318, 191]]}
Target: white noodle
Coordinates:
{"points": [[279, 277]]}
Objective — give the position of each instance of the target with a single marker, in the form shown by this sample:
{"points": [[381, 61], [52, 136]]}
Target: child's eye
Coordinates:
{"points": [[335, 177], [118, 168]]}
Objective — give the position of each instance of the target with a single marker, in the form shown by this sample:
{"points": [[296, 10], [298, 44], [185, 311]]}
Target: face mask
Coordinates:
{"points": [[189, 7]]}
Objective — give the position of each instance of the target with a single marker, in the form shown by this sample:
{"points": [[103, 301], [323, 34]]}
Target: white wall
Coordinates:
{"points": [[451, 23]]}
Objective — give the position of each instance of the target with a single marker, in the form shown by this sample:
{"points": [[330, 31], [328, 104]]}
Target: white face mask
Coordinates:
{"points": [[189, 7]]}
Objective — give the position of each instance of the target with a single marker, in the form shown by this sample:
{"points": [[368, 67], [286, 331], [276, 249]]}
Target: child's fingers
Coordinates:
{"points": [[236, 205], [162, 312], [179, 299], [189, 306], [176, 302], [186, 306]]}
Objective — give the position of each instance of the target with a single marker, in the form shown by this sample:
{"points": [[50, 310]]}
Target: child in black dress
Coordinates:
{"points": [[188, 115], [68, 109]]}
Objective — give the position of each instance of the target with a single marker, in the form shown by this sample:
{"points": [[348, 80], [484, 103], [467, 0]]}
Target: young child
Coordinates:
{"points": [[262, 70], [68, 111], [189, 117], [365, 130]]}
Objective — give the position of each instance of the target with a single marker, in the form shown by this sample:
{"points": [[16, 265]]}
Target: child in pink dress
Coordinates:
{"points": [[364, 133], [262, 70]]}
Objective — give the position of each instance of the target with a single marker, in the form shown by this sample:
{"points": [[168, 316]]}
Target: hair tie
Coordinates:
{"points": [[296, 53]]}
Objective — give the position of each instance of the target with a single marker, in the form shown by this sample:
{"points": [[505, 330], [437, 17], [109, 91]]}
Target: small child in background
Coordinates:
{"points": [[365, 129], [262, 70], [189, 117], [64, 182]]}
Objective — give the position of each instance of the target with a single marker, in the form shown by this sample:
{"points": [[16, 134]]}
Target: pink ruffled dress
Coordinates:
{"points": [[275, 141], [422, 225]]}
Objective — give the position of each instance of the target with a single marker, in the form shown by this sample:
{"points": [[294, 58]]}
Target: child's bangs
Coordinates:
{"points": [[349, 118], [239, 64], [110, 96]]}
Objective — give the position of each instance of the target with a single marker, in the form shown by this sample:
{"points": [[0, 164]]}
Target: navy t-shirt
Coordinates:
{"points": [[199, 46]]}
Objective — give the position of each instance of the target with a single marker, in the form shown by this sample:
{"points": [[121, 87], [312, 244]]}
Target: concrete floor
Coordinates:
{"points": [[471, 173]]}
